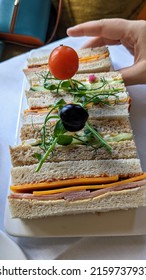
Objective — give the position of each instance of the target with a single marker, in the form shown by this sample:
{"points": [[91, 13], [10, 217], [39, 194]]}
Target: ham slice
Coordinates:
{"points": [[84, 195], [38, 197], [130, 185], [79, 195]]}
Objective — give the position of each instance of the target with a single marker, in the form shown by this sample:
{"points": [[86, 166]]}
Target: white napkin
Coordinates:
{"points": [[107, 248], [44, 248]]}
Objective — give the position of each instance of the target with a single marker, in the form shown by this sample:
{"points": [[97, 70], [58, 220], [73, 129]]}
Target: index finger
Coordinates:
{"points": [[108, 28]]}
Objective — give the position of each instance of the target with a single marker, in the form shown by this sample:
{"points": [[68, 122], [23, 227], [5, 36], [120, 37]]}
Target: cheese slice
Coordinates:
{"points": [[91, 187], [63, 183], [36, 110], [93, 57]]}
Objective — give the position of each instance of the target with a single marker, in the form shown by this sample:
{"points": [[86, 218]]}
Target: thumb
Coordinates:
{"points": [[134, 74]]}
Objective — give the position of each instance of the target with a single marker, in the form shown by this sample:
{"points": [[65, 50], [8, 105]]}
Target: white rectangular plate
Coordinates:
{"points": [[114, 223]]}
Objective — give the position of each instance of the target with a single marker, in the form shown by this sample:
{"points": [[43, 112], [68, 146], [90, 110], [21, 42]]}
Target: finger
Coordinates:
{"points": [[98, 42], [113, 29], [134, 74]]}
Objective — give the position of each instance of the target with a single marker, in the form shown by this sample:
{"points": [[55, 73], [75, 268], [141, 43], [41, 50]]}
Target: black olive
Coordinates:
{"points": [[73, 117], [73, 128]]}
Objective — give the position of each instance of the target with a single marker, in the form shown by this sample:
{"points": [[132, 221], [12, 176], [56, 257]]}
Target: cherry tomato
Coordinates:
{"points": [[63, 62], [73, 117]]}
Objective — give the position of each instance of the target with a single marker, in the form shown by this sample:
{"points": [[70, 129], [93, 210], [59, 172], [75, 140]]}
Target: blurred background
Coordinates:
{"points": [[77, 11]]}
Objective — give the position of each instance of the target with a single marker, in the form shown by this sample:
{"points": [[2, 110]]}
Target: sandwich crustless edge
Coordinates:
{"points": [[96, 229]]}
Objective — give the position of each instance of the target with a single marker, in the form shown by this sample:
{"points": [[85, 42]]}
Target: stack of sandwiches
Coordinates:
{"points": [[87, 174]]}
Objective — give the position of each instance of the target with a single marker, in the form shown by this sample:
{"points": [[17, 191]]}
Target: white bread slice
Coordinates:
{"points": [[45, 100], [35, 74], [109, 76], [40, 58], [98, 112], [115, 200], [95, 67], [92, 51], [116, 111], [51, 171]]}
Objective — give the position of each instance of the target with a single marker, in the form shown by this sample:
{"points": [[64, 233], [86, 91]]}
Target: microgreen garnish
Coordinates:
{"points": [[98, 136], [101, 92], [59, 135], [98, 92]]}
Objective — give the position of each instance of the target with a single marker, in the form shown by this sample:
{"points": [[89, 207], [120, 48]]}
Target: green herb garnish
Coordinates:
{"points": [[83, 95], [60, 136], [81, 92]]}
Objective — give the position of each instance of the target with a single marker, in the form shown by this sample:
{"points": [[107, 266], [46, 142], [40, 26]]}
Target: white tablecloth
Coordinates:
{"points": [[11, 78]]}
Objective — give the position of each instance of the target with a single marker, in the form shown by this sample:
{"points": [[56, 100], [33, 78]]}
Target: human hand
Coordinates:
{"points": [[131, 34]]}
